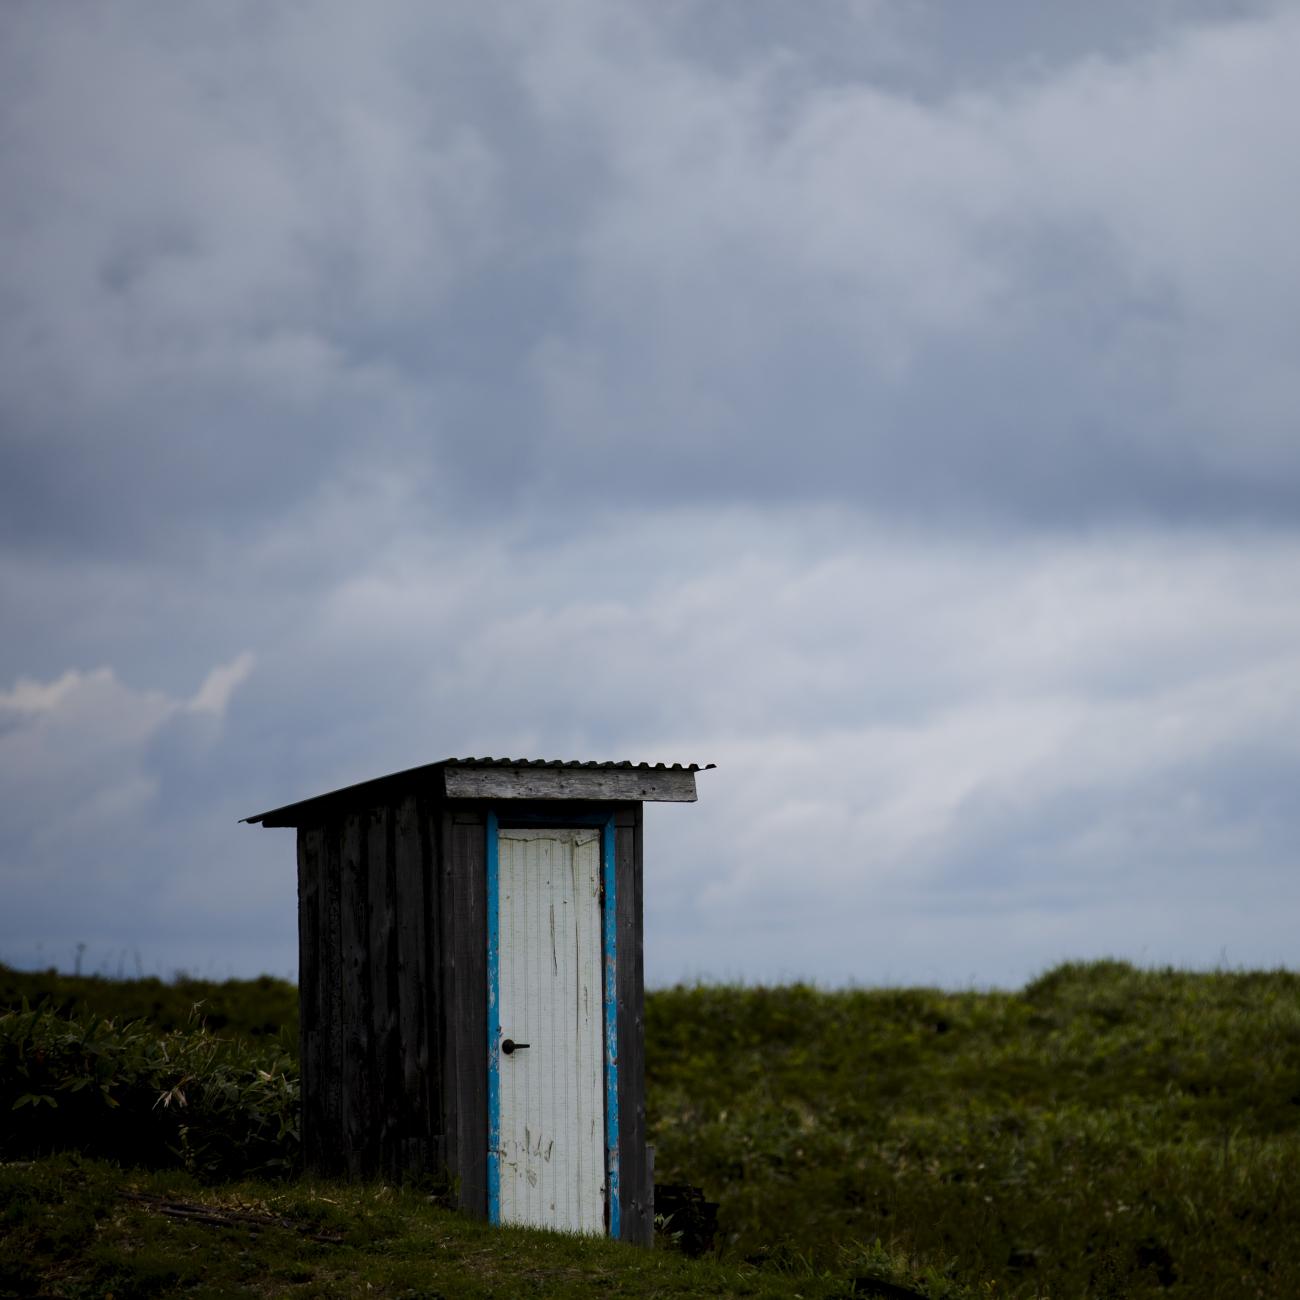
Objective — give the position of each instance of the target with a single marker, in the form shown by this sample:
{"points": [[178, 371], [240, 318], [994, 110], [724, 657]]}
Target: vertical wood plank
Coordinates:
{"points": [[436, 1008], [309, 927], [412, 1086], [357, 1152], [384, 1081], [465, 954], [637, 1219], [444, 997], [329, 1055]]}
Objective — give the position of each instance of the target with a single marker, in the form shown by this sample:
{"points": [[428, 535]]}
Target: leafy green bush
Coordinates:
{"points": [[127, 1092]]}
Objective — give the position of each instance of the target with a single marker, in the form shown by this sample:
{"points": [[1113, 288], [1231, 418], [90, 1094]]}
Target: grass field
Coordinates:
{"points": [[1106, 1132]]}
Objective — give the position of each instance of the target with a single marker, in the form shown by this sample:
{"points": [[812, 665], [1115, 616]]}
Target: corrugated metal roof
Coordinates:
{"points": [[415, 773], [572, 762]]}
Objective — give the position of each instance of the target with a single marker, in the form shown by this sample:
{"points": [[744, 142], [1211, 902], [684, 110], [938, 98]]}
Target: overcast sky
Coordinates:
{"points": [[892, 401]]}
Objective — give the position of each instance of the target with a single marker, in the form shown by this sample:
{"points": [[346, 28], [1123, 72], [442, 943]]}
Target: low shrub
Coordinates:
{"points": [[124, 1091]]}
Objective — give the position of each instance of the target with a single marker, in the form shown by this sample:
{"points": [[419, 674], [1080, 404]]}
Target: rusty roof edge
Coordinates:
{"points": [[410, 773]]}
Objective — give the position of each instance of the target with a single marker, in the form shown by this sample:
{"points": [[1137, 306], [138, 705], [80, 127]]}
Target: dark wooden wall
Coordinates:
{"points": [[462, 1015], [393, 988], [635, 1191], [392, 980]]}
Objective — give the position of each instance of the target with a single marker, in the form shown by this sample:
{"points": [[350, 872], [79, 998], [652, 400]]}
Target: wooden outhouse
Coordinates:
{"points": [[471, 986]]}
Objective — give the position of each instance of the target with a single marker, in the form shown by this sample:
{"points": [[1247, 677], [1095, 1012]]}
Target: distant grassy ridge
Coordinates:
{"points": [[1106, 1132], [265, 1007]]}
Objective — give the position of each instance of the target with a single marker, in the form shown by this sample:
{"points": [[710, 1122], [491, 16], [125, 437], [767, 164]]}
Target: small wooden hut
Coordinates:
{"points": [[471, 984]]}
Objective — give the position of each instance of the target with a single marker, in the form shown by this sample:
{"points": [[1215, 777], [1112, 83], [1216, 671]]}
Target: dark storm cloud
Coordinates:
{"points": [[1015, 305], [245, 262], [926, 47]]}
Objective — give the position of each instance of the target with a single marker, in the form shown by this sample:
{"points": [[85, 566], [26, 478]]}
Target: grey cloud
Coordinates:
{"points": [[1008, 305], [244, 264], [928, 48], [916, 735], [904, 422]]}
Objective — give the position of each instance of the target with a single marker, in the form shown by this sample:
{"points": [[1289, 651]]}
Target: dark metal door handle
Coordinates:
{"points": [[509, 1045]]}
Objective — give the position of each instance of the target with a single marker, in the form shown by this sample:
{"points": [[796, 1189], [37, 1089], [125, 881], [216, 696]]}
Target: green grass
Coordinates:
{"points": [[72, 1227], [1105, 1134]]}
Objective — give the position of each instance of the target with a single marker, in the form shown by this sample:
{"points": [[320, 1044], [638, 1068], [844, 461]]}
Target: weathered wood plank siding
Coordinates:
{"points": [[309, 931], [637, 1217], [463, 1003], [329, 1056], [369, 963], [412, 1096], [358, 1119], [384, 1065]]}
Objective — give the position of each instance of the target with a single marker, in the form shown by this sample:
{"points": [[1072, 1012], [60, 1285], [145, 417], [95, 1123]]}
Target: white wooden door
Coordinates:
{"points": [[551, 1139]]}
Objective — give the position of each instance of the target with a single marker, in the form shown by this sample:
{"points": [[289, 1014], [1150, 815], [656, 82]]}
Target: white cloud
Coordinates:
{"points": [[94, 836], [29, 696], [220, 684], [78, 748]]}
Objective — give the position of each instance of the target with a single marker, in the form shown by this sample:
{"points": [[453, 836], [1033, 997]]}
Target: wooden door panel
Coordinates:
{"points": [[551, 1093]]}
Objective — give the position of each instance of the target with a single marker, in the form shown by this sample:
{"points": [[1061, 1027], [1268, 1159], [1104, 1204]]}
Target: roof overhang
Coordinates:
{"points": [[509, 779]]}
